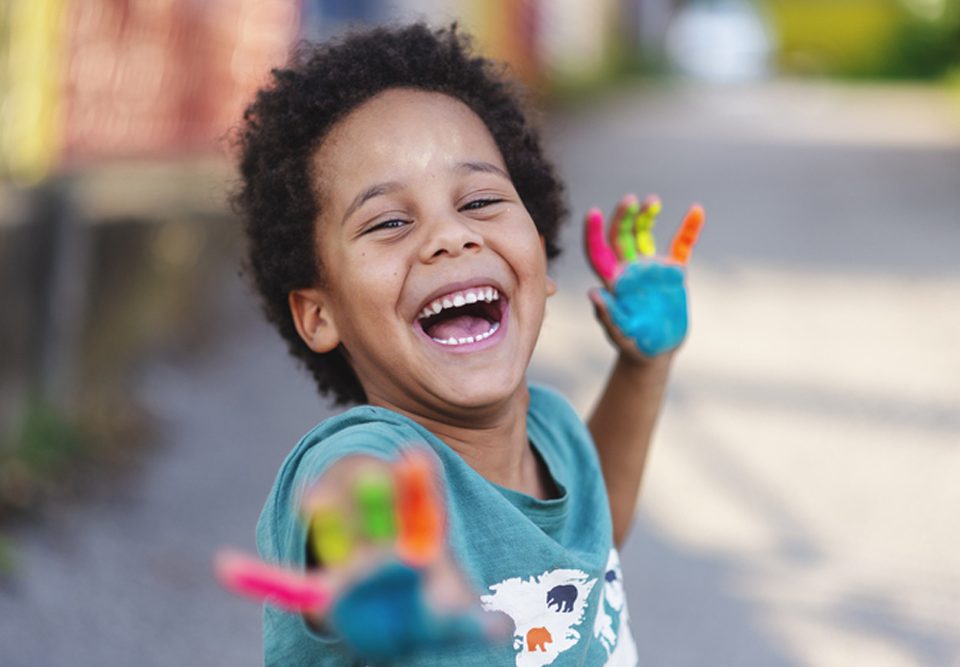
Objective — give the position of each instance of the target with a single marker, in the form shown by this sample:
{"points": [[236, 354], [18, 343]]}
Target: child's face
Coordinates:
{"points": [[417, 210]]}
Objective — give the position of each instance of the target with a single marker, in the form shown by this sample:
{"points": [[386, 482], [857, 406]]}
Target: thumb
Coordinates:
{"points": [[607, 312]]}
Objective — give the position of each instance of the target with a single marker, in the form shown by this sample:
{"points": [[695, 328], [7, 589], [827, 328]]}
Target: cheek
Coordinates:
{"points": [[369, 290]]}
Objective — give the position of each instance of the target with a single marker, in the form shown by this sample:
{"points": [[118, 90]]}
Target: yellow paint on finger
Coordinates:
{"points": [[330, 536]]}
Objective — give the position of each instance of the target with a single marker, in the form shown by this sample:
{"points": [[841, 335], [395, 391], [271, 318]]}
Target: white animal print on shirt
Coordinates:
{"points": [[612, 625], [545, 610]]}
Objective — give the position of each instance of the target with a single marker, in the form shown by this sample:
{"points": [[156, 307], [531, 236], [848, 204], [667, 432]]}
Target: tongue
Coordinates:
{"points": [[459, 326]]}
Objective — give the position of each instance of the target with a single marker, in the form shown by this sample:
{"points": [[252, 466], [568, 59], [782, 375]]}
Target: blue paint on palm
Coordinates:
{"points": [[385, 616], [649, 305]]}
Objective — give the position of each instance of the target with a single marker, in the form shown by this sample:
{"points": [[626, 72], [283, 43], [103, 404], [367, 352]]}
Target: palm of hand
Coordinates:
{"points": [[644, 301]]}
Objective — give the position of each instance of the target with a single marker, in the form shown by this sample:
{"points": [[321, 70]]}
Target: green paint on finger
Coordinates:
{"points": [[374, 494], [625, 234]]}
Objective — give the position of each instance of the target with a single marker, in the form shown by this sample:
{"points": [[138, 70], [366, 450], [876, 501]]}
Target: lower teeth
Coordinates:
{"points": [[469, 339]]}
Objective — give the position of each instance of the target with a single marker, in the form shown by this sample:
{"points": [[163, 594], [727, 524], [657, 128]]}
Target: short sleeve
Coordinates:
{"points": [[376, 440]]}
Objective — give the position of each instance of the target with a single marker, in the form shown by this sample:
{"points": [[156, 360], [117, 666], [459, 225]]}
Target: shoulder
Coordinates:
{"points": [[550, 412], [364, 431], [558, 432], [361, 430]]}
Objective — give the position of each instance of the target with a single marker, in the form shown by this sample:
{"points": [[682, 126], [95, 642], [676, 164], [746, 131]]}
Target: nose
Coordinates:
{"points": [[449, 235]]}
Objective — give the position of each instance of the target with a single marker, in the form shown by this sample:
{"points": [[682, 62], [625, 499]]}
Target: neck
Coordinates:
{"points": [[493, 442]]}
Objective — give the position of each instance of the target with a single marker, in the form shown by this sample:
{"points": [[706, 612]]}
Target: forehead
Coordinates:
{"points": [[402, 132]]}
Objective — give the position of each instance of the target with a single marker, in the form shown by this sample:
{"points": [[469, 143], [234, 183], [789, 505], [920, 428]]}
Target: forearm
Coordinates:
{"points": [[622, 426]]}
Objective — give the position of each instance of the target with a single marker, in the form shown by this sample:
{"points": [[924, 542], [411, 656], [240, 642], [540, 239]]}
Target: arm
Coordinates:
{"points": [[622, 426], [643, 309], [379, 576]]}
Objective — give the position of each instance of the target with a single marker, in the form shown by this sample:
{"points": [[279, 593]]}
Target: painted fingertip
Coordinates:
{"points": [[420, 515], [330, 535], [250, 577], [374, 494], [651, 204], [599, 253], [688, 234]]}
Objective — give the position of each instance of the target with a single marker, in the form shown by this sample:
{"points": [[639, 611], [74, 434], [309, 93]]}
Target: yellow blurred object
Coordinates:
{"points": [[564, 42], [30, 95], [506, 30], [833, 36]]}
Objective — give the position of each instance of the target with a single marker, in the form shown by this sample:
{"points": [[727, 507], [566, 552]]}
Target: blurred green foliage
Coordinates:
{"points": [[34, 452], [8, 561], [151, 291], [866, 38], [924, 49]]}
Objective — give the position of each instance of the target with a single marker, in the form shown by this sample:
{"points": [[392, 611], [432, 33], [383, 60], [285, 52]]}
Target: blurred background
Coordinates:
{"points": [[801, 505]]}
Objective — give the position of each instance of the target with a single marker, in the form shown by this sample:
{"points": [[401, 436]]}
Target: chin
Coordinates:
{"points": [[484, 392]]}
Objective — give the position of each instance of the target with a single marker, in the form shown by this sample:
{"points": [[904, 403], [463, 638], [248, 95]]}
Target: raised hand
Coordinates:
{"points": [[643, 304], [385, 582]]}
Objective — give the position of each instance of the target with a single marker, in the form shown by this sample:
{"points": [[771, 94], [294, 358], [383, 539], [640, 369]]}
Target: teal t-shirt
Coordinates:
{"points": [[549, 565]]}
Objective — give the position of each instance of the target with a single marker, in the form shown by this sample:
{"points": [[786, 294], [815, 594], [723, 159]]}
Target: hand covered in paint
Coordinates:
{"points": [[643, 304], [385, 583]]}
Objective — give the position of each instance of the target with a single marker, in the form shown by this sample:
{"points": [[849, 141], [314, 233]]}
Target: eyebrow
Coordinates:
{"points": [[368, 194], [391, 186], [486, 167]]}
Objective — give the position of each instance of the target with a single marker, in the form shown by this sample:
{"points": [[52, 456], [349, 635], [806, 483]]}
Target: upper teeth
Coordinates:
{"points": [[457, 299]]}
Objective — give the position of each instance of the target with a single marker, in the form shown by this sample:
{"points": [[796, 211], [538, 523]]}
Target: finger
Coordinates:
{"points": [[622, 237], [374, 495], [646, 219], [251, 577], [605, 308], [331, 535], [687, 235], [601, 256], [420, 515]]}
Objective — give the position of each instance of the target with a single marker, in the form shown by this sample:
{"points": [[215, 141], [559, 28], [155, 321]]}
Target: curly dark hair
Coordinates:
{"points": [[286, 123]]}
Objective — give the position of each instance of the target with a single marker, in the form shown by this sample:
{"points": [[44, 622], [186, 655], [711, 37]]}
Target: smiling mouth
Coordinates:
{"points": [[463, 317]]}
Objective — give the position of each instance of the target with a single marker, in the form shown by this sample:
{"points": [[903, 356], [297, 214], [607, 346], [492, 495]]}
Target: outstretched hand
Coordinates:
{"points": [[385, 584], [643, 302]]}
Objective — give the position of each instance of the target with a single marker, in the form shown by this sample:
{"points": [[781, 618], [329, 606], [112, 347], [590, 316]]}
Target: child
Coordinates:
{"points": [[400, 215]]}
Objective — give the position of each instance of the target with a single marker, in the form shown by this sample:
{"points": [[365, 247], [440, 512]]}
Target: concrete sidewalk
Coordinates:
{"points": [[801, 502]]}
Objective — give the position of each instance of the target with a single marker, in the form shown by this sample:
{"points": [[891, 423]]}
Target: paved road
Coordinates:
{"points": [[801, 503]]}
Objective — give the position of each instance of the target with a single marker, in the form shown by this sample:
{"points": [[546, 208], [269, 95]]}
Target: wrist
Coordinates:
{"points": [[643, 369]]}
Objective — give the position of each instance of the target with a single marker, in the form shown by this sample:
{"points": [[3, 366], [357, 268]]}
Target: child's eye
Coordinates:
{"points": [[480, 203], [395, 223]]}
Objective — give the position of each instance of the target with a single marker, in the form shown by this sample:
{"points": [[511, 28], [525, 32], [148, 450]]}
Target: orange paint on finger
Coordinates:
{"points": [[419, 511], [687, 236]]}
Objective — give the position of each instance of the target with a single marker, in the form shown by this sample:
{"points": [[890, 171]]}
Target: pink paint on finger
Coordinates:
{"points": [[288, 590], [601, 255]]}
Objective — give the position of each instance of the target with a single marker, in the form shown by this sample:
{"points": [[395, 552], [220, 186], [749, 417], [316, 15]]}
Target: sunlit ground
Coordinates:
{"points": [[801, 504]]}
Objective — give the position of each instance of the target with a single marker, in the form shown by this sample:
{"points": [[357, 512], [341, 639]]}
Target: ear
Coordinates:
{"points": [[313, 318], [551, 283]]}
